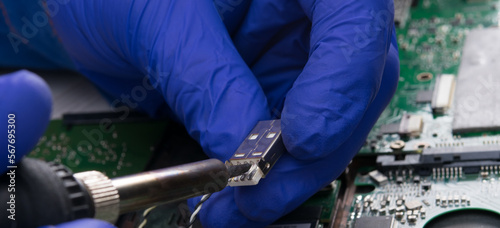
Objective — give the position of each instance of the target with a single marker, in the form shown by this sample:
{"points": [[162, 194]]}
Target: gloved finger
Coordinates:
{"points": [[349, 45], [26, 104], [280, 64], [201, 76], [232, 12], [274, 41], [264, 20], [82, 223], [292, 181]]}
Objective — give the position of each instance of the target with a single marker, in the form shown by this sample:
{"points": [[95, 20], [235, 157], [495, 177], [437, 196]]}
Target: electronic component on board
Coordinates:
{"points": [[443, 93], [262, 148], [477, 97], [375, 222], [413, 205], [378, 177], [402, 12], [410, 125]]}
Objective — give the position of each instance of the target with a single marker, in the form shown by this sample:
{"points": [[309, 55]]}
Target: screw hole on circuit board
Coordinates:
{"points": [[425, 76]]}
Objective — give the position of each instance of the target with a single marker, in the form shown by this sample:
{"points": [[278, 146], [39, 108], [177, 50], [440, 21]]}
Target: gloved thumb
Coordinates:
{"points": [[26, 103]]}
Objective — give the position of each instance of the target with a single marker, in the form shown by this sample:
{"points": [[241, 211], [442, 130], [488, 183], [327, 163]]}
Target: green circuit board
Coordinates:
{"points": [[406, 194], [326, 199], [430, 44], [432, 39], [121, 149]]}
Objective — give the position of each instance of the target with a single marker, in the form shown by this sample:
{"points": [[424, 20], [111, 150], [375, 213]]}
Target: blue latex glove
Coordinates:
{"points": [[334, 61], [28, 97], [83, 223], [27, 40]]}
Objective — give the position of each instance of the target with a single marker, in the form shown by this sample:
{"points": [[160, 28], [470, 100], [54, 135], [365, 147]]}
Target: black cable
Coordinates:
{"points": [[197, 209]]}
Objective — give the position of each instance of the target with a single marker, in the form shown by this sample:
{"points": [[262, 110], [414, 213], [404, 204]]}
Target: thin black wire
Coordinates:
{"points": [[196, 207]]}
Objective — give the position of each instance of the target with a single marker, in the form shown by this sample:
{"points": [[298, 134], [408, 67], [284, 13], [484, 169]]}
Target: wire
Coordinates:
{"points": [[145, 215], [197, 209]]}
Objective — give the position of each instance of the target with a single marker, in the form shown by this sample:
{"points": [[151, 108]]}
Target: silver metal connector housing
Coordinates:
{"points": [[261, 148]]}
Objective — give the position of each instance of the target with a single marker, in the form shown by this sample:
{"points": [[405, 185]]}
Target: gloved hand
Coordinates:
{"points": [[335, 62], [27, 97], [83, 223]]}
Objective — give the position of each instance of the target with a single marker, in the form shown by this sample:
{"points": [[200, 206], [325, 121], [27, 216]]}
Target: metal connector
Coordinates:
{"points": [[261, 149]]}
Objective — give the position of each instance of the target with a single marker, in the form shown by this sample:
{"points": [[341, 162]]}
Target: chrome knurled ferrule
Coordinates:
{"points": [[103, 193]]}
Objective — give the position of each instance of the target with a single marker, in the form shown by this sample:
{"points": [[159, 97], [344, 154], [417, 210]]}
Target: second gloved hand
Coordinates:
{"points": [[328, 68]]}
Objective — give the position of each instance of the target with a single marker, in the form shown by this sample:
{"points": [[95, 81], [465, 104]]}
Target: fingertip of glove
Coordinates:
{"points": [[307, 138], [29, 96], [259, 210], [26, 84], [26, 96], [83, 223]]}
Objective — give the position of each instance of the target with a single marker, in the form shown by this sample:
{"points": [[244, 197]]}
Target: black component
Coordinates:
{"points": [[236, 170], [412, 219], [426, 186], [456, 154], [309, 215], [414, 3], [96, 118], [375, 222], [470, 159], [82, 203], [56, 190]]}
